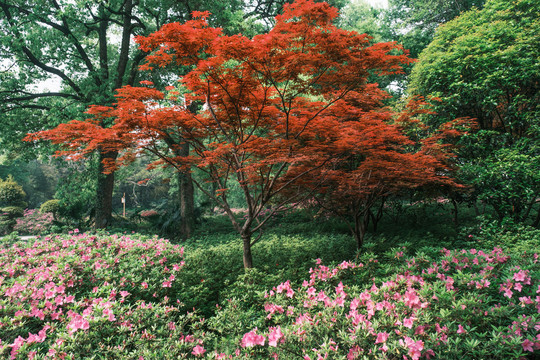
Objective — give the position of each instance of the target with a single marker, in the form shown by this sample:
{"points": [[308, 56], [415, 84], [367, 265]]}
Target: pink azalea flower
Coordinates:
{"points": [[415, 347], [408, 322], [461, 330], [528, 345], [251, 339], [381, 338], [198, 350], [274, 336], [411, 299], [520, 275]]}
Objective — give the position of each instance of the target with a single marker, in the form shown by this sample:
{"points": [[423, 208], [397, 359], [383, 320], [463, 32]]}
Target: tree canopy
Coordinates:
{"points": [[484, 64], [414, 22], [278, 108]]}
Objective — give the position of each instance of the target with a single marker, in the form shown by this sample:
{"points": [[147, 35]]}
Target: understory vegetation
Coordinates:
{"points": [[421, 288]]}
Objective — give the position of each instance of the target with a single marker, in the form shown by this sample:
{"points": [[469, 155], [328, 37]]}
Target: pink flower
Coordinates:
{"points": [[411, 299], [198, 350], [77, 322], [251, 339], [528, 345], [274, 336], [520, 275], [415, 347], [408, 322], [461, 330], [381, 338]]}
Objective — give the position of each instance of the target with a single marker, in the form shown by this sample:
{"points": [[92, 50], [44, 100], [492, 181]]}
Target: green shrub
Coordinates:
{"points": [[11, 193], [12, 211], [51, 206], [509, 235], [6, 225], [8, 216]]}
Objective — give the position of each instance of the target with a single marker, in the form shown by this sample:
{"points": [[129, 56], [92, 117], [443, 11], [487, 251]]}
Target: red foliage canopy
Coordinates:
{"points": [[277, 108]]}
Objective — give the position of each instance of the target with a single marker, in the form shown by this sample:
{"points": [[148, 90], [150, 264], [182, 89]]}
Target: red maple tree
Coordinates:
{"points": [[274, 111]]}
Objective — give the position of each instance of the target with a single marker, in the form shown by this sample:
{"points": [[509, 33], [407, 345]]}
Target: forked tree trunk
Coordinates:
{"points": [[375, 217], [248, 258], [104, 192], [360, 226], [455, 209]]}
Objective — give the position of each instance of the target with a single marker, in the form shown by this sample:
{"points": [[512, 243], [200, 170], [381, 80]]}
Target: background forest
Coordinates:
{"points": [[303, 173]]}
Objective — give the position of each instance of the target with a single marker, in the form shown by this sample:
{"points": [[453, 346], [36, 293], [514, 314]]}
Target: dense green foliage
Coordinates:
{"points": [[12, 204], [11, 193], [484, 65], [414, 22]]}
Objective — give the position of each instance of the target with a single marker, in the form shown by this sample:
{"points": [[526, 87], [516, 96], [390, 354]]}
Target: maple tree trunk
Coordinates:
{"points": [[187, 194], [248, 258], [455, 209], [104, 192], [359, 231], [376, 217]]}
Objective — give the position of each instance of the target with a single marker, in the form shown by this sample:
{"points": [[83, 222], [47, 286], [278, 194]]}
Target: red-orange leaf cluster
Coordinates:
{"points": [[283, 110]]}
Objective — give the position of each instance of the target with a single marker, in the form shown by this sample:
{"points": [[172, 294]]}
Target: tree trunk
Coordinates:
{"points": [[248, 258], [187, 195], [360, 225], [455, 212], [537, 220], [476, 210], [376, 217], [104, 192], [187, 207]]}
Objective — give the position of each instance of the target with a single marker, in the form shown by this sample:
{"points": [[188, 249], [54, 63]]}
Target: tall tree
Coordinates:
{"points": [[86, 46], [413, 22], [484, 64], [277, 107]]}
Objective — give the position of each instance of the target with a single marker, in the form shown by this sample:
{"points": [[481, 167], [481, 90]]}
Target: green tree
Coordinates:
{"points": [[360, 16], [413, 22], [87, 47], [484, 64]]}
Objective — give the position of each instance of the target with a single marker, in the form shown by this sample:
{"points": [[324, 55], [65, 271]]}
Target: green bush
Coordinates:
{"points": [[6, 225], [509, 235], [51, 206], [12, 211], [8, 216], [11, 193]]}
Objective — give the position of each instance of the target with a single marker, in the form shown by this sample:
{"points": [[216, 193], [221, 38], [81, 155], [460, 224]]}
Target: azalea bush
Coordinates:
{"points": [[132, 297], [34, 222], [68, 297], [459, 304]]}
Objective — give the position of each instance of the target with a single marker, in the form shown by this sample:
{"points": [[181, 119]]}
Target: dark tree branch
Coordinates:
{"points": [[30, 96], [124, 49], [34, 60]]}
